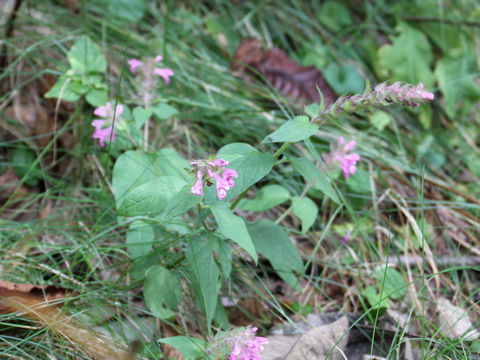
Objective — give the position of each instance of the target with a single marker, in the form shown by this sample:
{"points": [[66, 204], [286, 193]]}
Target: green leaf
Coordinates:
{"points": [[268, 197], [456, 74], [164, 111], [297, 129], [314, 176], [134, 168], [224, 257], [408, 58], [273, 243], [23, 159], [85, 57], [206, 272], [306, 210], [380, 119], [141, 116], [151, 198], [66, 90], [374, 299], [359, 182], [191, 348], [129, 10], [162, 292], [345, 79], [139, 238], [334, 15], [181, 202], [235, 151], [394, 285], [97, 97], [312, 110], [233, 227]]}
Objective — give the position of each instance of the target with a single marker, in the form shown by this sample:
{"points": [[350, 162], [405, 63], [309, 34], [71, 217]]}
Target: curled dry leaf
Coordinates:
{"points": [[41, 303], [297, 83]]}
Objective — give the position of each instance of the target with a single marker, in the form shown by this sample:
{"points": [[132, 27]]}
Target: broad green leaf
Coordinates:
{"points": [[206, 272], [139, 238], [394, 285], [191, 348], [151, 198], [23, 160], [164, 111], [233, 227], [141, 116], [334, 15], [134, 168], [268, 197], [235, 151], [409, 57], [374, 299], [130, 10], [273, 243], [345, 79], [97, 97], [297, 129], [181, 202], [162, 292], [85, 56], [314, 176], [63, 88], [456, 74], [306, 210], [224, 256], [380, 119]]}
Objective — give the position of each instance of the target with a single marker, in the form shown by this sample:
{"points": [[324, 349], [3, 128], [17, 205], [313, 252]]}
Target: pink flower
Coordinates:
{"points": [[159, 58], [105, 129], [102, 133], [347, 162], [165, 73], [247, 346], [219, 162], [216, 172], [228, 175], [347, 237], [134, 64], [197, 189]]}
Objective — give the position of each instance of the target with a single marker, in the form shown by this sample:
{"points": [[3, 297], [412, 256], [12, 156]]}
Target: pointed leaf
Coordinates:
{"points": [[306, 210], [297, 129]]}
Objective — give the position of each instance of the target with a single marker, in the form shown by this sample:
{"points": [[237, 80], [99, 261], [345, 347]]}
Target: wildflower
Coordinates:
{"points": [[347, 237], [215, 171], [340, 156], [242, 344], [105, 129], [148, 68], [380, 95], [197, 189]]}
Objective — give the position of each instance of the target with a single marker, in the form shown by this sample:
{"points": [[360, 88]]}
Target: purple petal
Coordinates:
{"points": [[134, 64], [158, 58]]}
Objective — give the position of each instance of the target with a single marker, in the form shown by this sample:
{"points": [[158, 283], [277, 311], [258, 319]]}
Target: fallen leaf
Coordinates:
{"points": [[454, 322], [327, 341], [295, 82]]}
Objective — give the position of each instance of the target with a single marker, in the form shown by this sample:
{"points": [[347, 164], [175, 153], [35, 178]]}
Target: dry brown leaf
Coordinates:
{"points": [[454, 322], [327, 341], [295, 82]]}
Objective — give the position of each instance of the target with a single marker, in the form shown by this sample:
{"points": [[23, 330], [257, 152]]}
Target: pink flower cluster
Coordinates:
{"points": [[149, 67], [241, 344], [247, 346], [215, 170], [105, 129], [346, 161]]}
